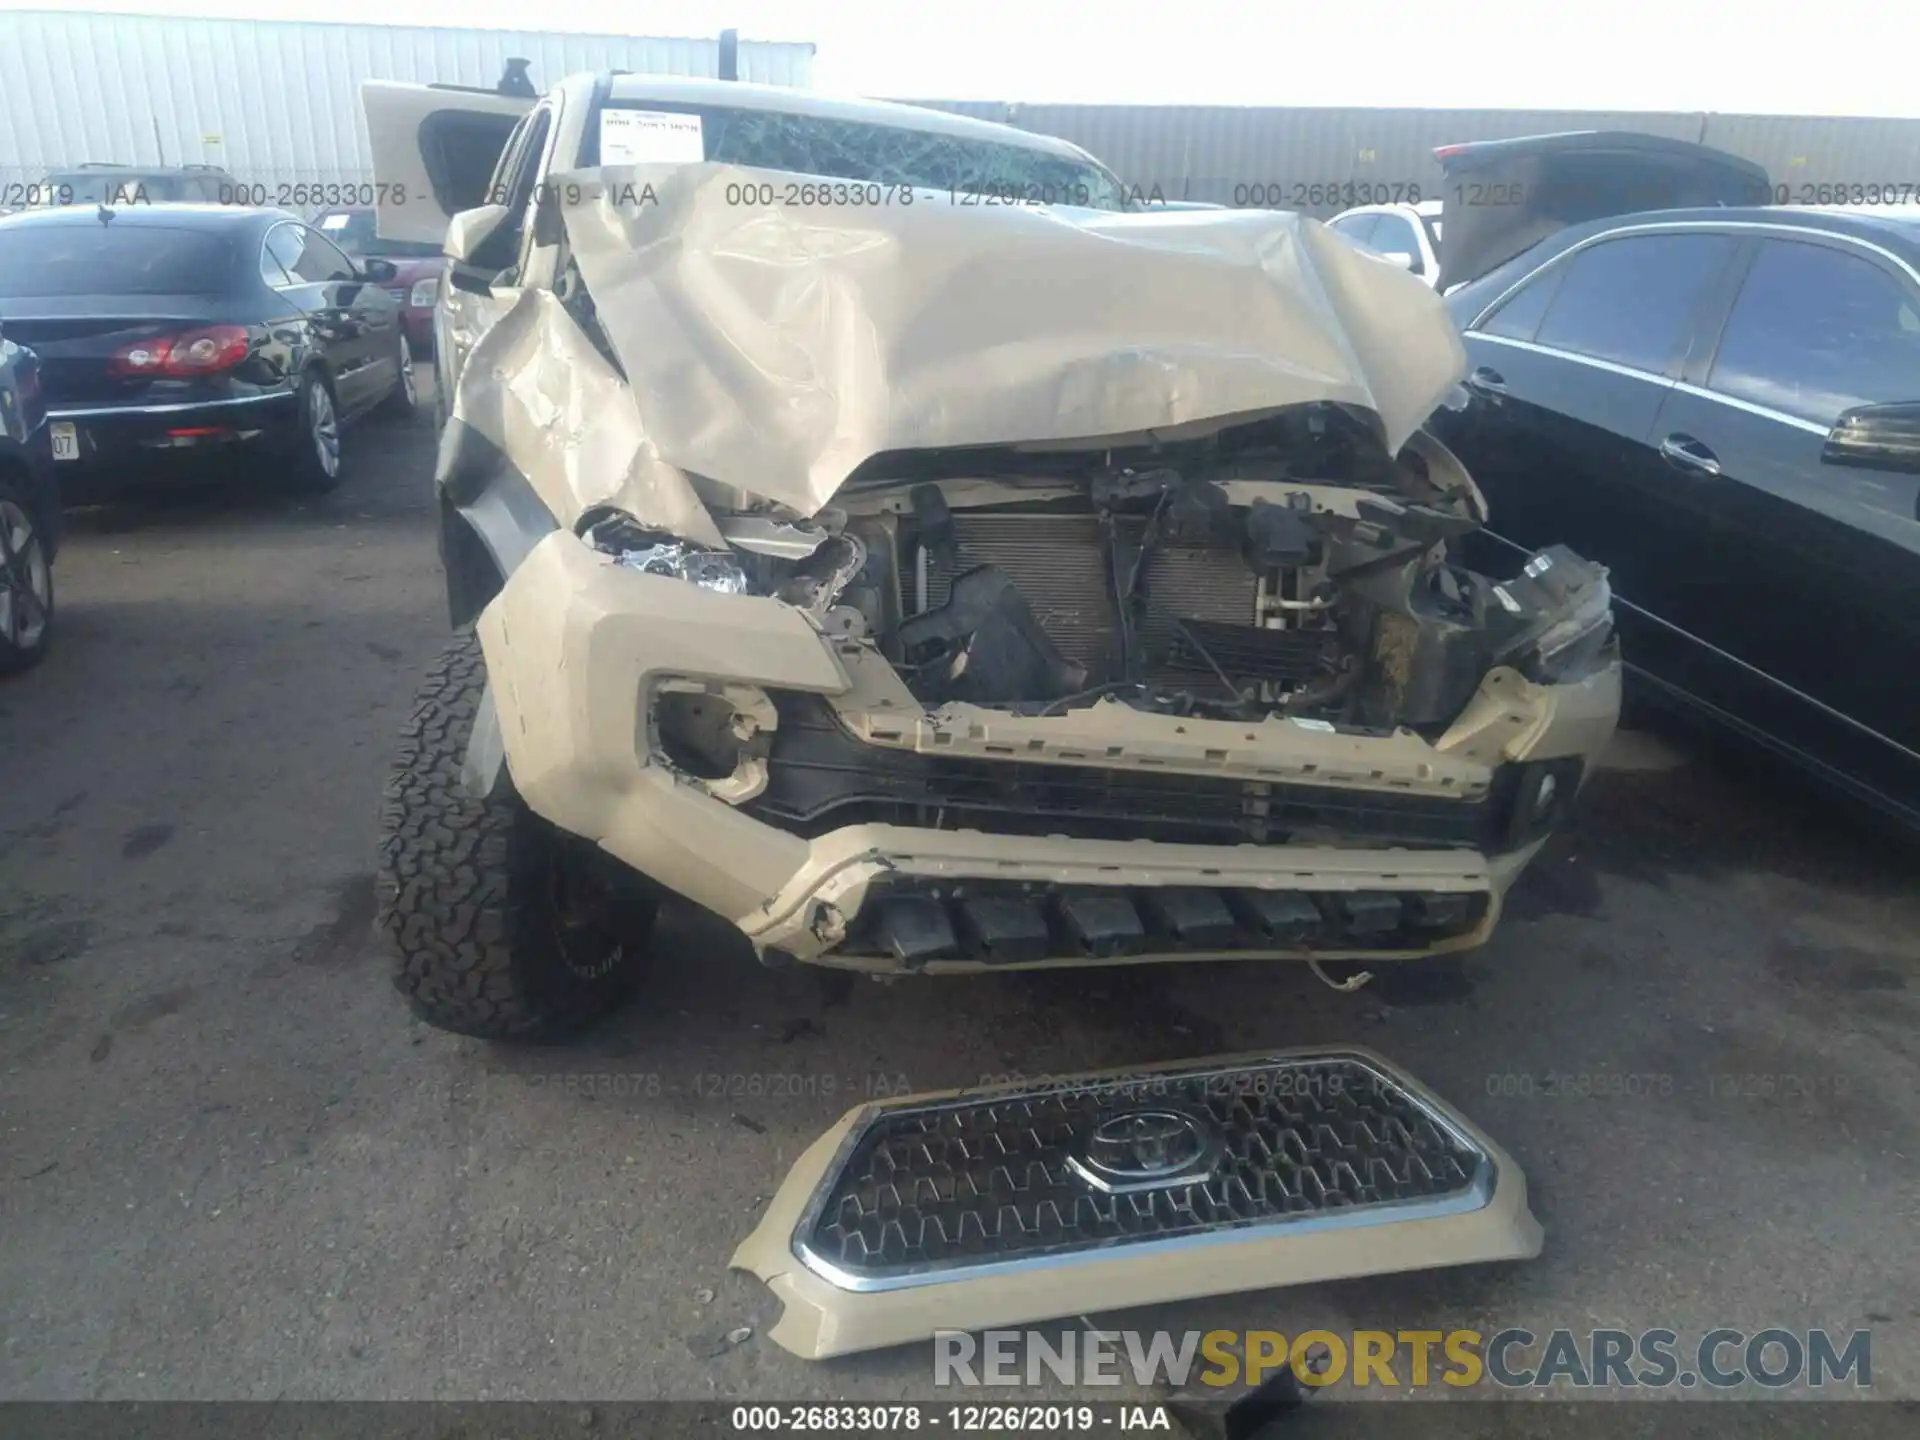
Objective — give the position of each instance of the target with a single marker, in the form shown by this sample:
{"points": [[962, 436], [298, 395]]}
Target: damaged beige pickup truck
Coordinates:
{"points": [[886, 531]]}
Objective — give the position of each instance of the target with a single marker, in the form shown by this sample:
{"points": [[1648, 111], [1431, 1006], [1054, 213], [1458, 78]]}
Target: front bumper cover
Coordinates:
{"points": [[576, 645]]}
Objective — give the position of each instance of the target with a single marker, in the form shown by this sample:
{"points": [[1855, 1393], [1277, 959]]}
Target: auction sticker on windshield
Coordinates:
{"points": [[650, 137], [66, 440]]}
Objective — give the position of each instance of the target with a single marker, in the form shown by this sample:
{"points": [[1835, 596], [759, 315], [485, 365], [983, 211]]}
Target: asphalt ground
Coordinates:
{"points": [[233, 1166]]}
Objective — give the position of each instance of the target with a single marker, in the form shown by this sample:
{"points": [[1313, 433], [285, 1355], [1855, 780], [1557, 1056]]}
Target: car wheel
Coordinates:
{"points": [[26, 585], [402, 401], [316, 445], [505, 928]]}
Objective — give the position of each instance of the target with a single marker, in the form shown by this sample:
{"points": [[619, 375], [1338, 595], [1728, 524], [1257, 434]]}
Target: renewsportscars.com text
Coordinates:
{"points": [[1773, 1358]]}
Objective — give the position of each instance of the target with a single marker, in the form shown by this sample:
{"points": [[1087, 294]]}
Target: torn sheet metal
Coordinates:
{"points": [[537, 389], [988, 1208], [774, 348]]}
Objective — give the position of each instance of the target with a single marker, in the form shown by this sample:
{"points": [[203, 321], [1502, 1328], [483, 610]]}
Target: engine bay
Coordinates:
{"points": [[1288, 568]]}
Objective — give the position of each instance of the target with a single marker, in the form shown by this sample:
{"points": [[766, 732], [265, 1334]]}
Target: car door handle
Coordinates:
{"points": [[1485, 380], [1686, 453]]}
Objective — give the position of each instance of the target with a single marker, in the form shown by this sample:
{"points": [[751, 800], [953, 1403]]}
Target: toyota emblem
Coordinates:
{"points": [[1147, 1150]]}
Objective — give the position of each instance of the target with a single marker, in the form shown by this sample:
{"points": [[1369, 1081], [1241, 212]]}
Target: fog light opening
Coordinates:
{"points": [[695, 734], [713, 734]]}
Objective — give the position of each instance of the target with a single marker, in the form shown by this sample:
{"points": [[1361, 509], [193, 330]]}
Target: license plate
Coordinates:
{"points": [[66, 440]]}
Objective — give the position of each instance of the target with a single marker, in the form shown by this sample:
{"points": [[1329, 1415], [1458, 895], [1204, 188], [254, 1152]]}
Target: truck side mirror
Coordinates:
{"points": [[480, 244]]}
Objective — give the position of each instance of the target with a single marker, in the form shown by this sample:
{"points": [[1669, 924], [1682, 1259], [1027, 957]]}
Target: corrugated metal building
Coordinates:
{"points": [[1236, 155], [275, 101]]}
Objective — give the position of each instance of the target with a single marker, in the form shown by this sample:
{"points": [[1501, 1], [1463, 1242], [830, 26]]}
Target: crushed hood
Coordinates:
{"points": [[775, 348]]}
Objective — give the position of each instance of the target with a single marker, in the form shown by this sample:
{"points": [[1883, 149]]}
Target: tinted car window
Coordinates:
{"points": [[319, 260], [1630, 300], [96, 259], [1395, 234], [1521, 315], [284, 247], [271, 270], [1816, 331]]}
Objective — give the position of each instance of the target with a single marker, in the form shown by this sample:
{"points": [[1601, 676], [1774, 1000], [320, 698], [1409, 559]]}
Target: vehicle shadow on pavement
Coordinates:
{"points": [[242, 490], [1714, 808]]}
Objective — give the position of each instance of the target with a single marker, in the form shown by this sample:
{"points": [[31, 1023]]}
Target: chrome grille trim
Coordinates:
{"points": [[1150, 1090]]}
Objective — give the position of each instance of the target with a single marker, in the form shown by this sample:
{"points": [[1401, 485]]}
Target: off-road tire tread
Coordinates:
{"points": [[456, 879]]}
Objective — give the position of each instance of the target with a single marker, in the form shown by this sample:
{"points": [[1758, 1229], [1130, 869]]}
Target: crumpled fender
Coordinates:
{"points": [[537, 402]]}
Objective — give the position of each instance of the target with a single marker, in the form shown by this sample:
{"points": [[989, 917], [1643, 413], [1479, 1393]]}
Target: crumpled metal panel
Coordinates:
{"points": [[540, 393], [777, 347]]}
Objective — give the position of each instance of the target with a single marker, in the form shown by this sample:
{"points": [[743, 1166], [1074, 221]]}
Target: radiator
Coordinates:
{"points": [[1059, 565]]}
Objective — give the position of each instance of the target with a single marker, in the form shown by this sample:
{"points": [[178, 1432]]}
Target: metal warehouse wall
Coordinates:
{"points": [[276, 101], [1203, 152]]}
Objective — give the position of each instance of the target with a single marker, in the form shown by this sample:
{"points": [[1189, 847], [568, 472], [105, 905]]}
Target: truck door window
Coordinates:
{"points": [[521, 171], [464, 152]]}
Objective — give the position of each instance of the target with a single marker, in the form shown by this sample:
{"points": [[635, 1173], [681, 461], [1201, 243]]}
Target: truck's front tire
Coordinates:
{"points": [[505, 927]]}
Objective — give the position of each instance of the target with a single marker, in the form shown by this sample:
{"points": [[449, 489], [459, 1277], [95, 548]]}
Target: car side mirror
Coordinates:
{"points": [[1876, 437], [380, 272], [1400, 260], [481, 244]]}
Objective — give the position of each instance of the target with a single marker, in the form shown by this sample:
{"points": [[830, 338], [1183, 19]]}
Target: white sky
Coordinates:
{"points": [[1840, 57]]}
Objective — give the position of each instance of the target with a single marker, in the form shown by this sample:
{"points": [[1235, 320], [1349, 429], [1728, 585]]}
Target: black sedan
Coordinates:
{"points": [[166, 332], [1722, 405], [29, 512]]}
